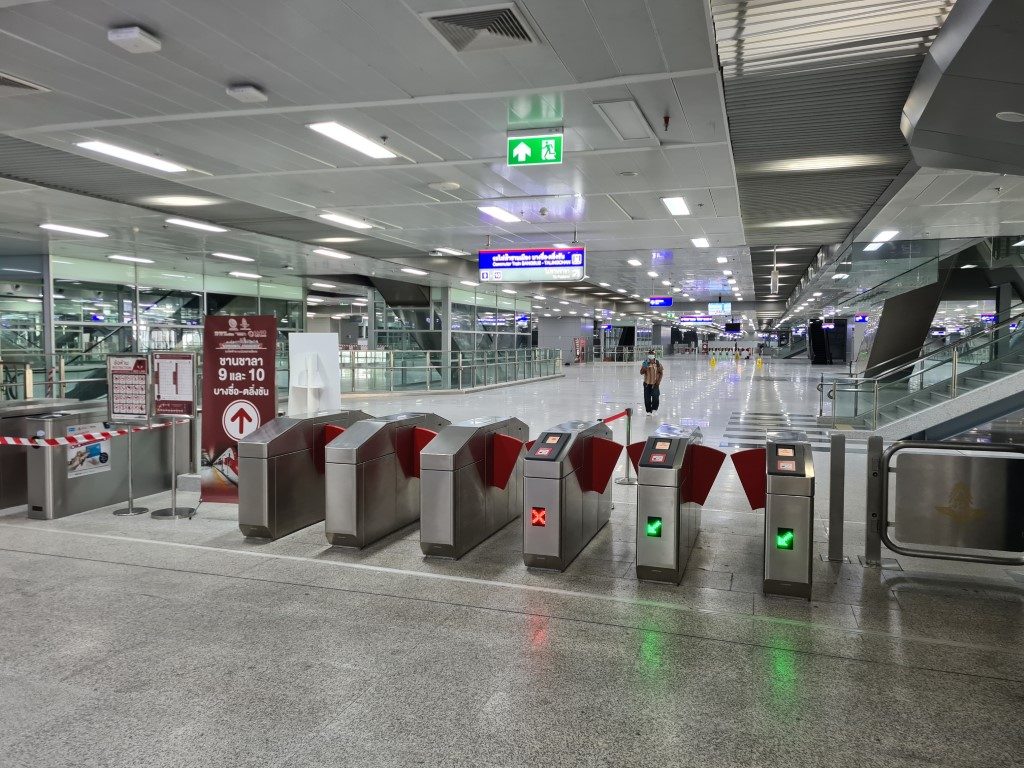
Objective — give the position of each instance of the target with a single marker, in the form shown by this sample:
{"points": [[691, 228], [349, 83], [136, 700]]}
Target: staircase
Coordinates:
{"points": [[940, 394]]}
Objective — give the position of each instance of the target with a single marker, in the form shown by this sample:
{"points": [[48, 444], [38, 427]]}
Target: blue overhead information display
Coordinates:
{"points": [[533, 265], [660, 301]]}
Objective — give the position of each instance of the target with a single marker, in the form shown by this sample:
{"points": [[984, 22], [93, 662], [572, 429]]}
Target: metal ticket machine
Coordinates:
{"points": [[281, 472], [470, 484], [373, 477], [674, 476], [567, 495]]}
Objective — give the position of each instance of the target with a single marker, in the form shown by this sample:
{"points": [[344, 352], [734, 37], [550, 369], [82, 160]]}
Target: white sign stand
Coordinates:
{"points": [[314, 373]]}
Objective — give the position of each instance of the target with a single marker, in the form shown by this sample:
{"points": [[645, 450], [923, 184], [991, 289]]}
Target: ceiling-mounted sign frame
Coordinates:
{"points": [[660, 301], [533, 265]]}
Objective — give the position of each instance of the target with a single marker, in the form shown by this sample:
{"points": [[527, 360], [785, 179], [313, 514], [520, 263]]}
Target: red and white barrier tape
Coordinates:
{"points": [[83, 439]]}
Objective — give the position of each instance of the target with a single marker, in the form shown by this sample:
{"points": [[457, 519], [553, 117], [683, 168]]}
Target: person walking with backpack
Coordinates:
{"points": [[652, 372]]}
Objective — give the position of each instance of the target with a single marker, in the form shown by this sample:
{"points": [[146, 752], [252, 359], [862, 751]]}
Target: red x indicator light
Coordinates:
{"points": [[539, 516]]}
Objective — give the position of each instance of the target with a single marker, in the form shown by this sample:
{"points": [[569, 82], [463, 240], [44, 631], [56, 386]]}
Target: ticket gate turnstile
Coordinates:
{"points": [[373, 470], [281, 472], [567, 495], [470, 484], [667, 516], [788, 515]]}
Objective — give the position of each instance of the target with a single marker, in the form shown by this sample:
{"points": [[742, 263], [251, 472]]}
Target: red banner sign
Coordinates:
{"points": [[239, 395]]}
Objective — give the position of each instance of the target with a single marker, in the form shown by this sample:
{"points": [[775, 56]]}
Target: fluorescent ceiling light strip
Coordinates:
{"points": [[324, 285], [73, 230], [131, 156], [332, 254], [412, 271], [701, 242], [346, 221], [885, 235], [498, 213], [352, 140], [231, 257], [453, 251], [676, 206], [133, 259], [195, 225], [250, 275]]}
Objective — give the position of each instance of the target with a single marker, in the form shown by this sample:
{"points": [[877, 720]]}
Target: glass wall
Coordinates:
{"points": [[486, 322]]}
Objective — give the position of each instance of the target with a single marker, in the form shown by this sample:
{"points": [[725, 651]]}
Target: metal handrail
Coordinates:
{"points": [[883, 517], [937, 352]]}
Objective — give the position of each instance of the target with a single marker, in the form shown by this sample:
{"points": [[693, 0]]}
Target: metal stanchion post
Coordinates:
{"points": [[628, 479], [873, 512], [131, 509], [836, 497], [174, 511]]}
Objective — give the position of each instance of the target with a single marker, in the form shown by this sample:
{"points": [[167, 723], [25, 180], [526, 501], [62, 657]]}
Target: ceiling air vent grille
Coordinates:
{"points": [[14, 86], [482, 29]]}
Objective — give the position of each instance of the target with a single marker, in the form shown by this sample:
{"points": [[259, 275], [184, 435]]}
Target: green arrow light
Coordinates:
{"points": [[784, 538], [654, 527]]}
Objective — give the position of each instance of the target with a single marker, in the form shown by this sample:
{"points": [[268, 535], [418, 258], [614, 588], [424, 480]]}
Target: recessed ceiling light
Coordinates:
{"points": [[652, 273], [666, 282], [324, 285], [346, 221], [564, 303], [840, 276], [195, 225], [331, 253], [314, 300], [722, 260], [537, 306], [732, 281], [823, 163], [498, 213], [621, 290], [453, 251], [133, 259], [676, 206], [248, 275], [73, 230], [700, 242], [1010, 117], [231, 257], [413, 271], [352, 140], [508, 291], [727, 272], [470, 283], [801, 223], [969, 266], [539, 297], [337, 239], [605, 285], [131, 156], [180, 201], [816, 293], [634, 262]]}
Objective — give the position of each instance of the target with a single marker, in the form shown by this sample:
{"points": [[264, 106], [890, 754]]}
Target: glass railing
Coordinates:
{"points": [[623, 354], [908, 388]]}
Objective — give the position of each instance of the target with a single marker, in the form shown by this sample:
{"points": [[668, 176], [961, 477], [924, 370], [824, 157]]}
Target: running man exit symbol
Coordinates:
{"points": [[541, 149]]}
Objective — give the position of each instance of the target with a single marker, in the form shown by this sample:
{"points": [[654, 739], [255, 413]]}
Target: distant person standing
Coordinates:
{"points": [[652, 372]]}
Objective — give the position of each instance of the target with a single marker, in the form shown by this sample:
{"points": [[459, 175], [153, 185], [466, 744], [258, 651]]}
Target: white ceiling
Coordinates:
{"points": [[376, 67]]}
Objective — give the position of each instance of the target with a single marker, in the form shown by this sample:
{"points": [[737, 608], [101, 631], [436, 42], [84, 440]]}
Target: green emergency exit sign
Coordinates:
{"points": [[538, 149]]}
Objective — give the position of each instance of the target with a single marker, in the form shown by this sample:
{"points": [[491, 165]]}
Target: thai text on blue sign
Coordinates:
{"points": [[533, 265], [695, 319], [660, 301]]}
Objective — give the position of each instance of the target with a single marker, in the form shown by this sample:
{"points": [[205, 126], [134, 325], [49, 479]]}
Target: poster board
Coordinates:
{"points": [[174, 384], [128, 392]]}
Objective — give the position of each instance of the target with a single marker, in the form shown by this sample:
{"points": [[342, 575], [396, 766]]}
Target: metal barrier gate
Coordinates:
{"points": [[567, 495], [470, 484], [675, 474], [952, 501], [281, 472], [373, 471]]}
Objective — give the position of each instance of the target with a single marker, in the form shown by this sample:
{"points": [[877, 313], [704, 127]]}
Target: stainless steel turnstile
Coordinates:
{"points": [[14, 415], [64, 481], [667, 521], [373, 485], [281, 473], [789, 515], [567, 498], [470, 484]]}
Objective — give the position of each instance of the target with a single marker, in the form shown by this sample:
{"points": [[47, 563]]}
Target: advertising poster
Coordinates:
{"points": [[239, 395], [174, 376], [128, 387], [88, 459]]}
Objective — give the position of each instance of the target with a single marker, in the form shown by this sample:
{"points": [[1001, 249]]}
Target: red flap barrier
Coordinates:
{"points": [[329, 432], [420, 437], [529, 444], [635, 451], [700, 470], [599, 461], [505, 451], [751, 467]]}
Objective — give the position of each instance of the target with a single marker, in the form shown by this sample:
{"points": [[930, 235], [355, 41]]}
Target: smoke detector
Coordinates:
{"points": [[134, 39], [444, 186], [247, 93]]}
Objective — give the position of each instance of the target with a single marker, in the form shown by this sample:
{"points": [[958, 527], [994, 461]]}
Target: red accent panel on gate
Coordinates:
{"points": [[505, 451], [700, 470], [635, 451], [529, 444], [599, 459], [320, 441], [420, 437], [750, 465]]}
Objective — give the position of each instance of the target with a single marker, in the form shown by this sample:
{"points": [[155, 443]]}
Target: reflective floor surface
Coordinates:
{"points": [[137, 642]]}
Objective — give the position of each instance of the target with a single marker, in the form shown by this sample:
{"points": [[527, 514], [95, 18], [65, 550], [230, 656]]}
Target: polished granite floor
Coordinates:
{"points": [[137, 642]]}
